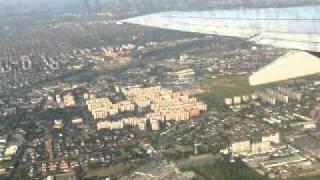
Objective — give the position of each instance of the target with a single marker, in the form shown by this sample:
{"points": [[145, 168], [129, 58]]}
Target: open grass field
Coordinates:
{"points": [[222, 169], [227, 87], [306, 178], [238, 85], [111, 171]]}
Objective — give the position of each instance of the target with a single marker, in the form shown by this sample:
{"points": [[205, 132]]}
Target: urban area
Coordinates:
{"points": [[86, 96]]}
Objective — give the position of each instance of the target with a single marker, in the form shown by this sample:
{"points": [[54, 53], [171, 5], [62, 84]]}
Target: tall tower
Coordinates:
{"points": [[195, 147]]}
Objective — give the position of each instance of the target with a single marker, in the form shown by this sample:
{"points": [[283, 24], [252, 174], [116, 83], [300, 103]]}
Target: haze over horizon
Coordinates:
{"points": [[95, 6]]}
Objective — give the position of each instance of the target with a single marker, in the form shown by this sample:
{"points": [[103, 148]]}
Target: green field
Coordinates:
{"points": [[111, 171], [227, 87], [222, 169], [215, 90], [306, 178]]}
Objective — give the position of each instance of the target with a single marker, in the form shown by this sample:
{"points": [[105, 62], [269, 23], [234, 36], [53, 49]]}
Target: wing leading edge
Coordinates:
{"points": [[292, 65]]}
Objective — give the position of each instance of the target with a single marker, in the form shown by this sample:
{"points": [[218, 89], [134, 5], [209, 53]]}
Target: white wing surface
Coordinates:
{"points": [[295, 28]]}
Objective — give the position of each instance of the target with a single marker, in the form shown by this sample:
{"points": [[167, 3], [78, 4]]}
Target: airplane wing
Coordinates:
{"points": [[295, 28], [292, 65]]}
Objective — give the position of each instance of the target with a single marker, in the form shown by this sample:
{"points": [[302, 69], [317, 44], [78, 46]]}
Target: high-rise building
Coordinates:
{"points": [[48, 146], [155, 125]]}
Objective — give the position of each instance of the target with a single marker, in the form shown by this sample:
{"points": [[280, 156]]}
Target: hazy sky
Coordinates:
{"points": [[28, 6]]}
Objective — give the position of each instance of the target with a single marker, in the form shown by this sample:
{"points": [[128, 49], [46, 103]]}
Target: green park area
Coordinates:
{"points": [[215, 90], [227, 87], [107, 172], [222, 169], [317, 177]]}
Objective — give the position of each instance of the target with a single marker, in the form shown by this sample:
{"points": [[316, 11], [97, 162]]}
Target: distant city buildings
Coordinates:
{"points": [[84, 102], [248, 147], [68, 100], [58, 124], [271, 96], [101, 108], [163, 104]]}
